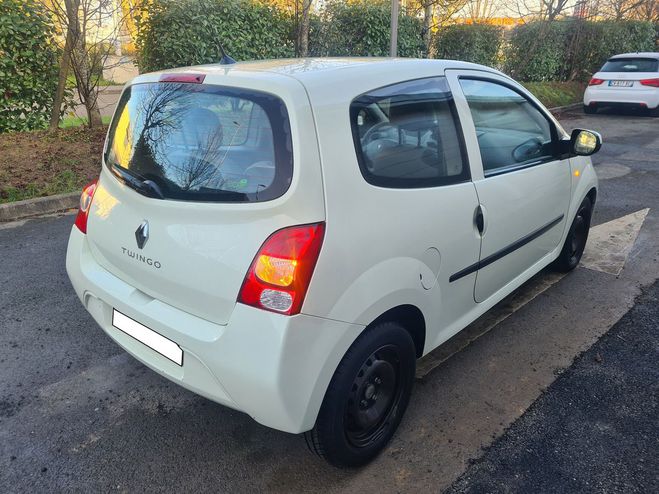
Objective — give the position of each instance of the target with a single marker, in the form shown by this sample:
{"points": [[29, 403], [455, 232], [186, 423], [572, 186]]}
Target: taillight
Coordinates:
{"points": [[281, 272], [595, 81], [85, 203], [650, 82]]}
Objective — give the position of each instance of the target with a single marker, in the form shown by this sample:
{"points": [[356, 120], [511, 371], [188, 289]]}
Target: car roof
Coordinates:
{"points": [[312, 71], [640, 54]]}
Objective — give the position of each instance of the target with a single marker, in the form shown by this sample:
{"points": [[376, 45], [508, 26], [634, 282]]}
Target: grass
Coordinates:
{"points": [[71, 82], [555, 94], [63, 182], [44, 163], [69, 122]]}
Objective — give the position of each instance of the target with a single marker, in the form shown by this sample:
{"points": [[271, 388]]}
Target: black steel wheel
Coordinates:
{"points": [[375, 393], [366, 398], [576, 239]]}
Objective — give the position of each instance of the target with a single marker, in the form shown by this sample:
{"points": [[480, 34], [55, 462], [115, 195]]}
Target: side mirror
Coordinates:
{"points": [[584, 142]]}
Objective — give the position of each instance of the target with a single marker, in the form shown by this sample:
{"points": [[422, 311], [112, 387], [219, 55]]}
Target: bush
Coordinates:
{"points": [[178, 33], [362, 28], [572, 49], [600, 40], [536, 51], [28, 65], [477, 43]]}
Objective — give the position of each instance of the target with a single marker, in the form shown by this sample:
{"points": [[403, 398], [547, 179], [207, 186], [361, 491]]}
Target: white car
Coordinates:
{"points": [[628, 80], [287, 237]]}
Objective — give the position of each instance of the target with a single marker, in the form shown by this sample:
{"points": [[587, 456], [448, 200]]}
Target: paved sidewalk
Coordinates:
{"points": [[596, 429], [108, 97]]}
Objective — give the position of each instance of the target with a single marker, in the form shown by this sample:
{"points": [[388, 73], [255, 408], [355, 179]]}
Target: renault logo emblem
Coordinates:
{"points": [[142, 234]]}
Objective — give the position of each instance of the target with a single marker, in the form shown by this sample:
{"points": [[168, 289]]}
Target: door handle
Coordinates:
{"points": [[479, 219]]}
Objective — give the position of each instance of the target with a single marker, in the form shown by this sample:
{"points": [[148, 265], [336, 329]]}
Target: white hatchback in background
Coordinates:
{"points": [[630, 80], [287, 237]]}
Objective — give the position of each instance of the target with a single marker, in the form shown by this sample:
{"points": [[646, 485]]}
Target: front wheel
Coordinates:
{"points": [[575, 242], [366, 397]]}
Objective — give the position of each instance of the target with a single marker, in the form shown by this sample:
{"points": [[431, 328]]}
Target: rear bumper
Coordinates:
{"points": [[274, 368], [596, 96]]}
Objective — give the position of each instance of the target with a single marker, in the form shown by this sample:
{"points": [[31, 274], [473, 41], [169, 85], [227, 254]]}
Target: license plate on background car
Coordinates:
{"points": [[157, 342], [621, 83]]}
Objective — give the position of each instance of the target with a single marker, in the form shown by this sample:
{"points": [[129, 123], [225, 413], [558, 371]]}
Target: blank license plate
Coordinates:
{"points": [[157, 342], [621, 83]]}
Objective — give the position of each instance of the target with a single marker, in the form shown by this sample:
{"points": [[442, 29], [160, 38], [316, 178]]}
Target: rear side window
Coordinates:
{"points": [[406, 136], [201, 142], [631, 65]]}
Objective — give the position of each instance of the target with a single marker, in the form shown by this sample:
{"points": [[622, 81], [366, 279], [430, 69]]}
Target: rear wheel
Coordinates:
{"points": [[589, 110], [366, 398], [575, 241], [655, 112]]}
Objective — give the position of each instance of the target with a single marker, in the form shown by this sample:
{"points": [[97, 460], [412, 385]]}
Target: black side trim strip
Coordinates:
{"points": [[505, 251]]}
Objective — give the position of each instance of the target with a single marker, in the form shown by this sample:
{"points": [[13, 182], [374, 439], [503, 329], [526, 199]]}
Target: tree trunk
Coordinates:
{"points": [[303, 41], [61, 83], [427, 25]]}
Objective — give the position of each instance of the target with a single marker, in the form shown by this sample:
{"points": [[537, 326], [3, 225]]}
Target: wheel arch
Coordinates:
{"points": [[409, 317], [592, 195]]}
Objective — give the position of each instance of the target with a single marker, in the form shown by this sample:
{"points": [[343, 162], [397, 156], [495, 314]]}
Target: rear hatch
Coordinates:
{"points": [[629, 73], [195, 178]]}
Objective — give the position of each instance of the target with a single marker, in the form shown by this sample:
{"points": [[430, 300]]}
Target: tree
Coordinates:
{"points": [[435, 13], [91, 29], [58, 100], [481, 9], [647, 10], [303, 29], [620, 9], [544, 10]]}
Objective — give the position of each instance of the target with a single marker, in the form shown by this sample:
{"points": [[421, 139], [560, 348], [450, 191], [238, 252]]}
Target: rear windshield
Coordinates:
{"points": [[201, 143], [631, 65]]}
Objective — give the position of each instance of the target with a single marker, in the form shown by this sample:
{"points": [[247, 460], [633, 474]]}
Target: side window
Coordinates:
{"points": [[511, 131], [406, 136]]}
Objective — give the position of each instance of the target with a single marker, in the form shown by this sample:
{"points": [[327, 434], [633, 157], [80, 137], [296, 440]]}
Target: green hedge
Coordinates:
{"points": [[179, 33], [602, 39], [572, 49], [189, 32], [28, 65], [536, 51], [477, 43], [362, 28]]}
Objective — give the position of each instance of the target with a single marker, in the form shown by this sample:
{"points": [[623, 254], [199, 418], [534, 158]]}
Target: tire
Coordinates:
{"points": [[366, 398], [654, 112], [575, 242], [589, 110]]}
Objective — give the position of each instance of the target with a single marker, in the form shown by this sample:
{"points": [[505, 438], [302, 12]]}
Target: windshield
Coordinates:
{"points": [[631, 65], [201, 143]]}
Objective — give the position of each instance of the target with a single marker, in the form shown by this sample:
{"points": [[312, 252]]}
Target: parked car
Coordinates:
{"points": [[287, 238], [630, 80]]}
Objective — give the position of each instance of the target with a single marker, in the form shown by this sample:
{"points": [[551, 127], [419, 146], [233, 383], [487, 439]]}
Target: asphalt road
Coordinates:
{"points": [[596, 429], [77, 413]]}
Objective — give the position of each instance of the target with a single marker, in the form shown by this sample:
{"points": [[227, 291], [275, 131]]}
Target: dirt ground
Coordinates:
{"points": [[34, 164]]}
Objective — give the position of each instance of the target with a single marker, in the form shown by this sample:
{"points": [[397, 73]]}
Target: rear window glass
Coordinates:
{"points": [[631, 65], [201, 142]]}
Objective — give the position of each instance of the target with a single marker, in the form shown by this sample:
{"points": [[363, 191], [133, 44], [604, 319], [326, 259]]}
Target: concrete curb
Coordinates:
{"points": [[41, 205], [560, 109]]}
